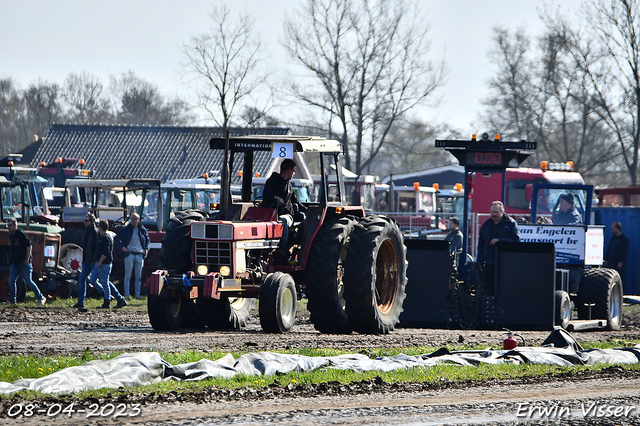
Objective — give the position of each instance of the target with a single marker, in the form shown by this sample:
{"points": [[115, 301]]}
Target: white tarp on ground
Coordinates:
{"points": [[128, 370]]}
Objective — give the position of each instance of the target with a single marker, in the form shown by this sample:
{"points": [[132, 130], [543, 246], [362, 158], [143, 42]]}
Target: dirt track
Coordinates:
{"points": [[51, 331]]}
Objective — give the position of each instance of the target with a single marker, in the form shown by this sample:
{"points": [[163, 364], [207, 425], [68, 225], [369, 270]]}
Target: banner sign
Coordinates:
{"points": [[569, 241]]}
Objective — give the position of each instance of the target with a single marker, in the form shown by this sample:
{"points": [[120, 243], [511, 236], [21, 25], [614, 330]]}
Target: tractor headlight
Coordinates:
{"points": [[225, 271], [202, 270]]}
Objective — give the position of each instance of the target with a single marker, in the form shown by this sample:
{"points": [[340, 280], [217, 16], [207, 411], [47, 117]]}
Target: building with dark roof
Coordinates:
{"points": [[446, 177], [157, 152]]}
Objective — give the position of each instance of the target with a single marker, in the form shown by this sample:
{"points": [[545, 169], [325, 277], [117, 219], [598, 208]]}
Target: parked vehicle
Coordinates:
{"points": [[352, 268], [412, 207], [539, 282], [619, 196], [18, 199]]}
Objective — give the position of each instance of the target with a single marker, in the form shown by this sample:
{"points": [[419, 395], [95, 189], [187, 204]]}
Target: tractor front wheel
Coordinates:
{"points": [[564, 313], [166, 313], [227, 313], [278, 303]]}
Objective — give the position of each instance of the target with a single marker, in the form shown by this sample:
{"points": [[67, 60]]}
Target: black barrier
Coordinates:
{"points": [[523, 296], [525, 286], [426, 304]]}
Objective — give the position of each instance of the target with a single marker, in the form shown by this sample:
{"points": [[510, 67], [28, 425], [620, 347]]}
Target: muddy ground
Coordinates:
{"points": [[57, 331], [49, 331]]}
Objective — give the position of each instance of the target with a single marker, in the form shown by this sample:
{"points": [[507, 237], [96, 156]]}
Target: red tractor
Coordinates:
{"points": [[351, 268]]}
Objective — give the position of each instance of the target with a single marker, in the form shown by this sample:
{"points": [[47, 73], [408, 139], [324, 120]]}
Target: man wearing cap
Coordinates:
{"points": [[568, 214]]}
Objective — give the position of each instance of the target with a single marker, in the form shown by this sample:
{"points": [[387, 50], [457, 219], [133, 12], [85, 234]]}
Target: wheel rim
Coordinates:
{"points": [[386, 276], [71, 257], [566, 312], [237, 303], [614, 304], [287, 305]]}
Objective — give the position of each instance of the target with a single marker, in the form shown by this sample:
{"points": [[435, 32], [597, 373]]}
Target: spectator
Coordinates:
{"points": [[568, 214], [133, 242], [618, 250], [21, 262], [102, 268], [278, 193], [90, 243], [455, 235], [500, 227]]}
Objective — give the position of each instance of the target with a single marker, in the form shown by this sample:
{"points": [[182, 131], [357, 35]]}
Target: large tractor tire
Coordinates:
{"points": [[166, 313], [601, 287], [228, 313], [323, 276], [563, 310], [175, 254], [278, 303], [375, 275]]}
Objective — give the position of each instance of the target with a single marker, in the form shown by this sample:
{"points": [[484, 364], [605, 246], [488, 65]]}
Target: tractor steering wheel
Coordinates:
{"points": [[257, 202]]}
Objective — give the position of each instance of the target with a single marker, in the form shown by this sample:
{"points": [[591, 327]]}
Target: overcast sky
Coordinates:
{"points": [[44, 39]]}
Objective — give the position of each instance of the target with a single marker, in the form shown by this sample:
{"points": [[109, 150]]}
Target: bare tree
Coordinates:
{"points": [[11, 113], [140, 102], [611, 61], [83, 95], [508, 109], [367, 67], [540, 94], [411, 148], [223, 65], [43, 106]]}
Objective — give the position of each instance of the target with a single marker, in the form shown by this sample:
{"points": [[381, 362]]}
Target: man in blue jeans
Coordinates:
{"points": [[90, 243], [102, 268], [21, 262], [133, 242]]}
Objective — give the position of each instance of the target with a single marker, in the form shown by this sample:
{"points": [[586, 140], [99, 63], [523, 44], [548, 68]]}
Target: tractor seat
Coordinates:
{"points": [[260, 214]]}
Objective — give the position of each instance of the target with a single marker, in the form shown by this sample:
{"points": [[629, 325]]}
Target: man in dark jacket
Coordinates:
{"points": [[618, 250], [102, 268], [500, 227], [21, 262], [568, 214], [90, 243], [455, 236], [278, 194], [133, 242]]}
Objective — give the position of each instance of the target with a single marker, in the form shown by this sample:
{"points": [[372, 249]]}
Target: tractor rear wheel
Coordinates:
{"points": [[227, 313], [166, 313], [324, 276], [601, 287], [278, 303], [375, 275], [564, 313], [175, 254]]}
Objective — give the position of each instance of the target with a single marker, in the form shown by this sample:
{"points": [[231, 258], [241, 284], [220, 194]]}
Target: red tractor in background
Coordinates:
{"points": [[352, 268]]}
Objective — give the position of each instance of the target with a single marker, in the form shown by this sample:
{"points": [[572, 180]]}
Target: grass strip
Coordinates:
{"points": [[17, 367]]}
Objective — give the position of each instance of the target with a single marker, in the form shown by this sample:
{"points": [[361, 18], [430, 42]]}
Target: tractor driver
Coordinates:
{"points": [[278, 194], [568, 214]]}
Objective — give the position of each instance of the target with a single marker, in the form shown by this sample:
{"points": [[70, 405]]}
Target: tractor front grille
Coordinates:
{"points": [[214, 254]]}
